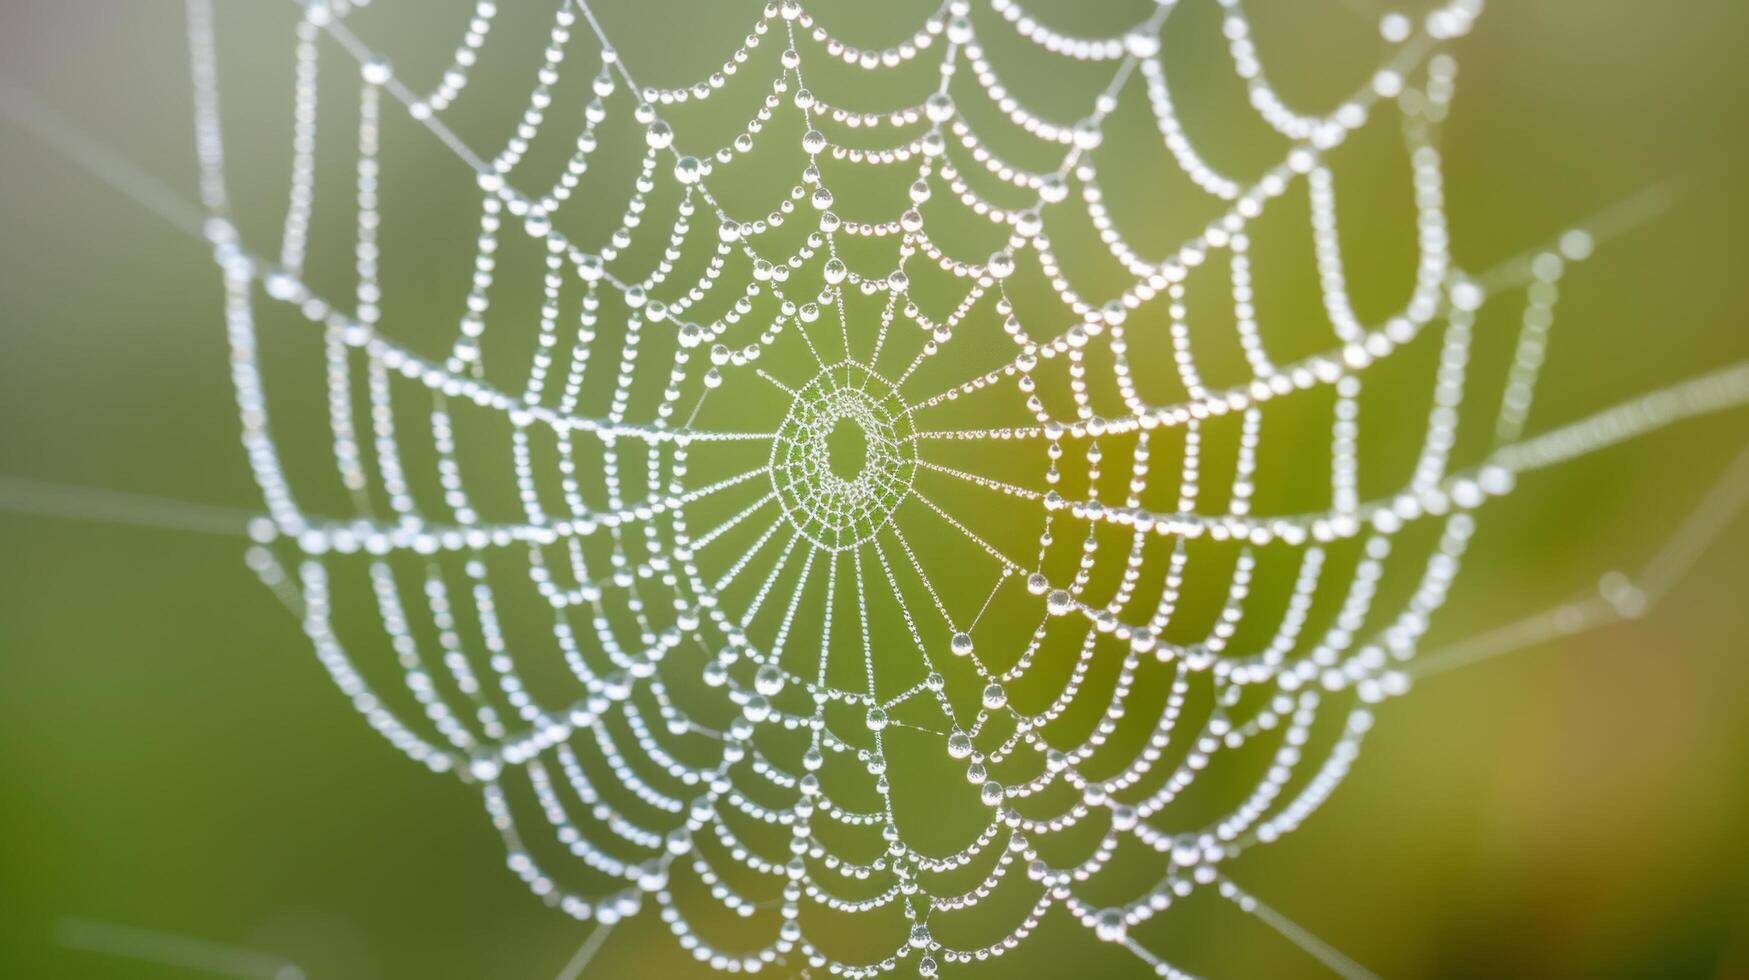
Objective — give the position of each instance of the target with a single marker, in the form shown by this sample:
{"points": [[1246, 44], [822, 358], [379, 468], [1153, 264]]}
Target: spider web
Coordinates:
{"points": [[858, 611]]}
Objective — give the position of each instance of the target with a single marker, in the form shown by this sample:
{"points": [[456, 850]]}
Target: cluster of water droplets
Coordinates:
{"points": [[703, 748]]}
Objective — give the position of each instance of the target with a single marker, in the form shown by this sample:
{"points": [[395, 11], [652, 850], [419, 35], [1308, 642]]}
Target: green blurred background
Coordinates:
{"points": [[174, 759]]}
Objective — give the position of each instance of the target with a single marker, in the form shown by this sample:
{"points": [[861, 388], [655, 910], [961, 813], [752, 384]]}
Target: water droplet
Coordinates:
{"points": [[756, 709], [938, 107], [959, 745], [1142, 43], [1110, 926], [377, 72], [1087, 134], [768, 681], [1001, 264]]}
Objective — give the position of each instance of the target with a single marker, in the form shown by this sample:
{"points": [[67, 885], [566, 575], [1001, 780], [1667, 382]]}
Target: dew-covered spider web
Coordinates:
{"points": [[833, 515]]}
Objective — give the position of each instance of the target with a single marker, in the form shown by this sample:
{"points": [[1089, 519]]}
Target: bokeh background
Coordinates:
{"points": [[173, 758]]}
